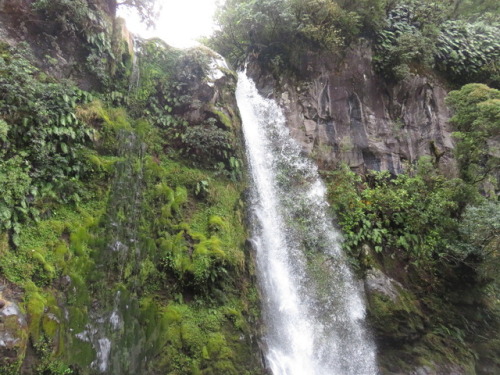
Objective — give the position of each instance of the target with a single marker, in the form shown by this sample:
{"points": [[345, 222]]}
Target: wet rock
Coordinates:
{"points": [[394, 311], [13, 334], [377, 282], [439, 370], [341, 110], [211, 91]]}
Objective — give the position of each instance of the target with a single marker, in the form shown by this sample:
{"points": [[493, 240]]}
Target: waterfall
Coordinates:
{"points": [[135, 75], [115, 328], [312, 306]]}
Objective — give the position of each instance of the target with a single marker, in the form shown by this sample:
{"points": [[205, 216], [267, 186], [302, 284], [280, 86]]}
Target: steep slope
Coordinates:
{"points": [[412, 174], [122, 245], [342, 111], [425, 294]]}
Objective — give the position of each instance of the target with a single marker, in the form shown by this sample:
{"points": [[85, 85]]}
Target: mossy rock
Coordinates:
{"points": [[223, 120], [396, 319], [488, 357], [13, 337]]}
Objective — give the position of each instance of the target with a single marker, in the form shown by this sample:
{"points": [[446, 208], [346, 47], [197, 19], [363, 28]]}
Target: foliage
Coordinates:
{"points": [[205, 264], [371, 13], [472, 9], [477, 124], [324, 23], [408, 38], [208, 143], [198, 264], [469, 51], [460, 38], [417, 215], [420, 34], [481, 229], [439, 239], [42, 139], [85, 24], [70, 16], [63, 158], [281, 31], [195, 343]]}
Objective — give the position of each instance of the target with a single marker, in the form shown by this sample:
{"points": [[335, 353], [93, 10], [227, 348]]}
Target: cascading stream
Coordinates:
{"points": [[114, 329], [313, 309]]}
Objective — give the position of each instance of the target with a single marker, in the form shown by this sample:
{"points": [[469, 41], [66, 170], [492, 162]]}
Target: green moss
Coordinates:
{"points": [[399, 319], [216, 223], [222, 118], [61, 254], [50, 325], [35, 306], [185, 286]]}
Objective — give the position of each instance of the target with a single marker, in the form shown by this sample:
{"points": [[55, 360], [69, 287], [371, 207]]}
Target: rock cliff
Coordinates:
{"points": [[144, 269], [340, 110]]}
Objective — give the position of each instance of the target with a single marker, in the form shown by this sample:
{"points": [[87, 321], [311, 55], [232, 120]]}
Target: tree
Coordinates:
{"points": [[146, 9], [477, 125], [282, 31]]}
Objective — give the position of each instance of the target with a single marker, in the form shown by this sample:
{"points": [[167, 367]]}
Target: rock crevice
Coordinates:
{"points": [[342, 111]]}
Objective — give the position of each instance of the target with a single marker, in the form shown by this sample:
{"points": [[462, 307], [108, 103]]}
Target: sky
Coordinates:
{"points": [[180, 23]]}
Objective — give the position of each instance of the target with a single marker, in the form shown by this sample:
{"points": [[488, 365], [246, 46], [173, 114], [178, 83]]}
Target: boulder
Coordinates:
{"points": [[13, 334], [377, 282]]}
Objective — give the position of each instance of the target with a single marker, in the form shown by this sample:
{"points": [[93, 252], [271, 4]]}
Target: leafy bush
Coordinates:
{"points": [[477, 124], [417, 215], [324, 23], [15, 184], [408, 38], [371, 13], [282, 31], [469, 51], [207, 144], [420, 34], [42, 139], [481, 229]]}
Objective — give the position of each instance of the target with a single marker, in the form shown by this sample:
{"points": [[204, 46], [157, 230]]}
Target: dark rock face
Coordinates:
{"points": [[60, 46], [342, 111]]}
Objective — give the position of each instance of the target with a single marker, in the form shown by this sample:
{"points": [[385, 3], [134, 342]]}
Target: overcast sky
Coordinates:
{"points": [[181, 22]]}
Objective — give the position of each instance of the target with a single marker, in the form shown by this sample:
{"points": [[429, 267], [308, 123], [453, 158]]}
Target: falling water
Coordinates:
{"points": [[115, 330], [135, 75], [313, 309]]}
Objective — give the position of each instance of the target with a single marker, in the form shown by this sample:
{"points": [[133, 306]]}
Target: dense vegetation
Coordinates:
{"points": [[438, 236], [65, 154], [459, 38], [122, 200]]}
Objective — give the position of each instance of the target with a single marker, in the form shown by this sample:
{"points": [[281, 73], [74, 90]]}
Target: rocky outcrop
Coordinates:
{"points": [[210, 86], [85, 47], [13, 334], [341, 110], [377, 282]]}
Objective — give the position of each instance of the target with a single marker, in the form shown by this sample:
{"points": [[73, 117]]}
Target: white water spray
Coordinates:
{"points": [[313, 310]]}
